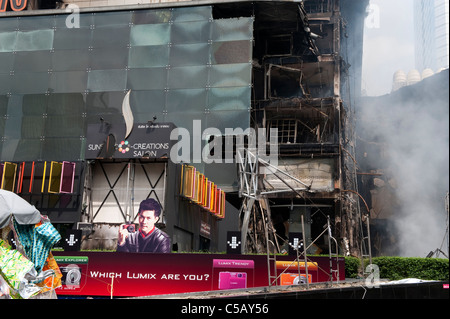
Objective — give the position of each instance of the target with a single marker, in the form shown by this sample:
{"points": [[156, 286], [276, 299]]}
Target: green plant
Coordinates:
{"points": [[352, 265], [396, 268]]}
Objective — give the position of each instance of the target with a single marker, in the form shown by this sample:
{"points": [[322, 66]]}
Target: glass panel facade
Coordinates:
{"points": [[180, 64], [150, 34], [72, 39], [150, 56], [34, 40]]}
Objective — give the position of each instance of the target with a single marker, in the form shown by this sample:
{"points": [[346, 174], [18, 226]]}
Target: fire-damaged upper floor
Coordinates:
{"points": [[296, 73], [297, 76]]}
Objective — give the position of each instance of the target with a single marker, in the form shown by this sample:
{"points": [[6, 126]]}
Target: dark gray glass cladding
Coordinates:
{"points": [[179, 63]]}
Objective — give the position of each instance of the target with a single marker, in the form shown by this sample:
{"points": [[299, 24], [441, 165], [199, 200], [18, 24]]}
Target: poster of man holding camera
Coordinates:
{"points": [[147, 238]]}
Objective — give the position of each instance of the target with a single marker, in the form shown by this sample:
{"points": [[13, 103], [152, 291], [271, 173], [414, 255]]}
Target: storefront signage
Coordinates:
{"points": [[150, 140], [16, 5], [205, 229]]}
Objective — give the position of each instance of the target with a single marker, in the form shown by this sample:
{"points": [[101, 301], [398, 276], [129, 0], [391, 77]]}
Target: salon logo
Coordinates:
{"points": [[123, 147]]}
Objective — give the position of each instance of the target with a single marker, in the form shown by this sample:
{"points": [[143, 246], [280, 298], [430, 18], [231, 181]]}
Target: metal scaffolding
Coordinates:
{"points": [[255, 204]]}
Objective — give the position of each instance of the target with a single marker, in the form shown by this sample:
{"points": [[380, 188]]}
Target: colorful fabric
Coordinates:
{"points": [[13, 265], [37, 241], [54, 281], [4, 244]]}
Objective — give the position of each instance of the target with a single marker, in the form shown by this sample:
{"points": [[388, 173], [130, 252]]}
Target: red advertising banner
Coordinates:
{"points": [[146, 274]]}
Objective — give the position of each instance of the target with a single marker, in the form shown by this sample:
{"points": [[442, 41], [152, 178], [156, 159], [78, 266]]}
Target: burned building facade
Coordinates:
{"points": [[284, 66], [306, 79]]}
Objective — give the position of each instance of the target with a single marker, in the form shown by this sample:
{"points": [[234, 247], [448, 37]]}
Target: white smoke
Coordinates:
{"points": [[418, 151], [414, 125]]}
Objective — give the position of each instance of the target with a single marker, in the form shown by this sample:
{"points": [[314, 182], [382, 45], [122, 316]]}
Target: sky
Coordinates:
{"points": [[388, 44]]}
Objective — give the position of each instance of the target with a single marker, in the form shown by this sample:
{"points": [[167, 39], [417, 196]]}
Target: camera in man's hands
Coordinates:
{"points": [[130, 227]]}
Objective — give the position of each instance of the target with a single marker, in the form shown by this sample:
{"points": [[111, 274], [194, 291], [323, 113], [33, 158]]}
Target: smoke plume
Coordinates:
{"points": [[412, 124]]}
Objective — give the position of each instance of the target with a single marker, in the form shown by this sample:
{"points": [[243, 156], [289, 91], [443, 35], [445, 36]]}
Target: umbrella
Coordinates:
{"points": [[13, 204]]}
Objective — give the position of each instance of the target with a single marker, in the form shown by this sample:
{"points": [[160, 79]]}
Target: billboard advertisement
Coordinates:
{"points": [[140, 274]]}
